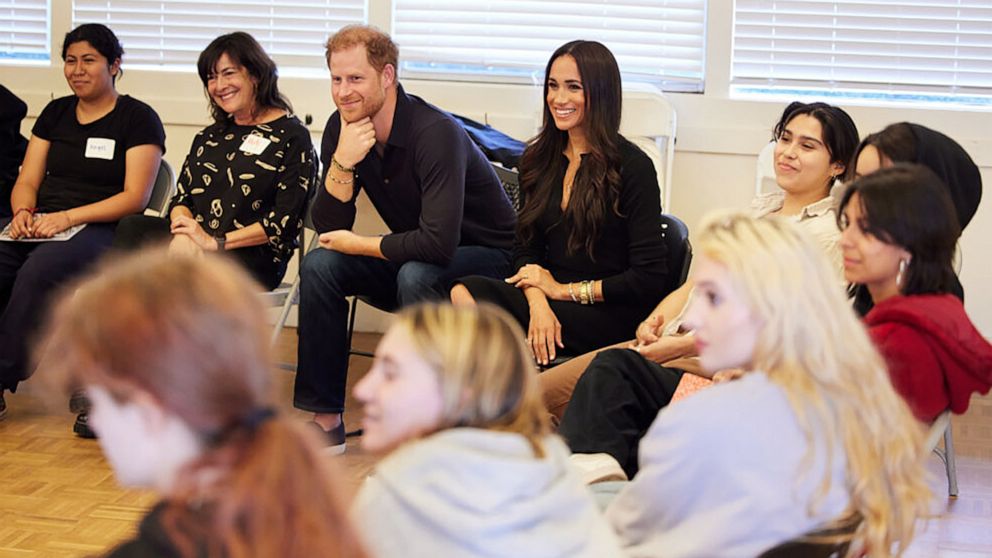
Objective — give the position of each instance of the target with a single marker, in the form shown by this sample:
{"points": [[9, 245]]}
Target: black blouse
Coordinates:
{"points": [[231, 180], [630, 257]]}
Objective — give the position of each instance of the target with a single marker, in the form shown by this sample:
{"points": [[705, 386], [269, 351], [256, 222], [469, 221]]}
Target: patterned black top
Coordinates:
{"points": [[235, 176]]}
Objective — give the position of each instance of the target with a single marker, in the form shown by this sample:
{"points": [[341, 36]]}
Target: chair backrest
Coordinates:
{"points": [[675, 235], [647, 113], [764, 172], [165, 186], [511, 184]]}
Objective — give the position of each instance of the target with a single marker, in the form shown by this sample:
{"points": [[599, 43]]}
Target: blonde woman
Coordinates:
{"points": [[812, 433], [470, 467]]}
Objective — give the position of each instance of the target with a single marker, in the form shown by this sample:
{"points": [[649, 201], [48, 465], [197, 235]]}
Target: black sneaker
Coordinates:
{"points": [[333, 439], [82, 426]]}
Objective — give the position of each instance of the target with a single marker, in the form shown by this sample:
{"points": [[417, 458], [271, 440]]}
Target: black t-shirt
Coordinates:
{"points": [[152, 540], [86, 162]]}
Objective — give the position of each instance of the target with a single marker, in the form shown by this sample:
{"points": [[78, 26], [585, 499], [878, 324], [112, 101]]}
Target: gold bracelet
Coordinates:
{"points": [[336, 181], [68, 218], [583, 293], [339, 166]]}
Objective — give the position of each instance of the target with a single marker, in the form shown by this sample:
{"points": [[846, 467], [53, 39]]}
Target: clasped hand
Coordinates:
{"points": [[653, 345], [26, 225], [533, 275], [186, 226]]}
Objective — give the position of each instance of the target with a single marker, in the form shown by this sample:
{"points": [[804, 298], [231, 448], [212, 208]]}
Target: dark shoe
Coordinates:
{"points": [[333, 439], [80, 405], [3, 406], [82, 427]]}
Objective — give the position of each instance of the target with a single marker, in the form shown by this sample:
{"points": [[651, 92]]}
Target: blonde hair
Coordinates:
{"points": [[191, 333], [818, 351], [487, 376], [379, 47]]}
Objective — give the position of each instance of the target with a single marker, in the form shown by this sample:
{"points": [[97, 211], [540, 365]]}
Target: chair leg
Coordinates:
{"points": [[351, 320], [351, 330], [291, 299], [949, 464]]}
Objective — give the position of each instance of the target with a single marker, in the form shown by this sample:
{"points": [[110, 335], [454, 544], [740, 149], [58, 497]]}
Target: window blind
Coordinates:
{"points": [[173, 33], [935, 47], [653, 40], [24, 33]]}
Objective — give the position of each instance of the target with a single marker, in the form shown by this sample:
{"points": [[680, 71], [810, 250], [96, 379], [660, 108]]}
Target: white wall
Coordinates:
{"points": [[718, 138]]}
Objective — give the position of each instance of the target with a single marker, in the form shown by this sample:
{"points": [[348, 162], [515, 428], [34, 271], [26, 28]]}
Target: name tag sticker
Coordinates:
{"points": [[254, 145], [100, 148]]}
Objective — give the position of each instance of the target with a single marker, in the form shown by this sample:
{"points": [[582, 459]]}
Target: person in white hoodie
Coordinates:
{"points": [[471, 469], [812, 435]]}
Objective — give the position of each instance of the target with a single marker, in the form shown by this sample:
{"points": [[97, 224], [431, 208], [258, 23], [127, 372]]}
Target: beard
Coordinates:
{"points": [[370, 106]]}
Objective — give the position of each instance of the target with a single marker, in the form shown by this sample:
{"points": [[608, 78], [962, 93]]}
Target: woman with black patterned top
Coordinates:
{"points": [[246, 181]]}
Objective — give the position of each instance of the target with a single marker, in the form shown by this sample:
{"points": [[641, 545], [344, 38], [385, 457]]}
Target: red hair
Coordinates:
{"points": [[192, 334]]}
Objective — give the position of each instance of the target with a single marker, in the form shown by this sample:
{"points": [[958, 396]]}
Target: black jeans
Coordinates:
{"points": [[614, 403], [30, 274]]}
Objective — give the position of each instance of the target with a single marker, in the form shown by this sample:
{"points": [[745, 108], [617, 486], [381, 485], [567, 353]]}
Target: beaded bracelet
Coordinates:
{"points": [[571, 293], [337, 181]]}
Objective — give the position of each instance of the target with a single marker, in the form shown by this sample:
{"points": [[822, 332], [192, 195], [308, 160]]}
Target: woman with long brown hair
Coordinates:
{"points": [[173, 353], [588, 246]]}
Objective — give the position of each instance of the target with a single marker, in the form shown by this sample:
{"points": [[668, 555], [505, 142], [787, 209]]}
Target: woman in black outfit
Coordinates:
{"points": [[246, 181], [91, 161], [589, 255]]}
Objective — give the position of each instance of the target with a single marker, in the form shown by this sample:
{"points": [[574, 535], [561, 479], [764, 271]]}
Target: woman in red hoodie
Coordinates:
{"points": [[936, 356]]}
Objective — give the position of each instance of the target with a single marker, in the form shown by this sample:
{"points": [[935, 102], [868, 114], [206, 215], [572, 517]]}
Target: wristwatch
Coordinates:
{"points": [[221, 241]]}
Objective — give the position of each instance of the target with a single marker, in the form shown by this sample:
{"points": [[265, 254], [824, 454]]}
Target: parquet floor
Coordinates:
{"points": [[58, 498]]}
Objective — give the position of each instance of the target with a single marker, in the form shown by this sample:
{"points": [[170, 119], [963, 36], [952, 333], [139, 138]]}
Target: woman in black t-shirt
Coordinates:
{"points": [[246, 181], [91, 160]]}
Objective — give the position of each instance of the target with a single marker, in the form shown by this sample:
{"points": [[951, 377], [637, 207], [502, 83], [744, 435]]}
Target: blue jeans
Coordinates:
{"points": [[328, 277]]}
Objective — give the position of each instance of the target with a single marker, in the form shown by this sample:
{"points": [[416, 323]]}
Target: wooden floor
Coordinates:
{"points": [[59, 499]]}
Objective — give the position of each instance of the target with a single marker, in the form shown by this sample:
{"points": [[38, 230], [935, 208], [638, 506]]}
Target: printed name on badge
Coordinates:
{"points": [[100, 148], [254, 145]]}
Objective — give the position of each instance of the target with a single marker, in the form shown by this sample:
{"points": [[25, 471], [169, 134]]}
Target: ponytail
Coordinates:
{"points": [[276, 498]]}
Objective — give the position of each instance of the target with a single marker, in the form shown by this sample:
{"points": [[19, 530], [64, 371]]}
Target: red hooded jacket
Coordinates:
{"points": [[936, 357]]}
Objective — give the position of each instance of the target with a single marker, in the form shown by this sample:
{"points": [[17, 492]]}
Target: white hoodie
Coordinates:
{"points": [[468, 492]]}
